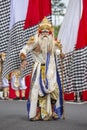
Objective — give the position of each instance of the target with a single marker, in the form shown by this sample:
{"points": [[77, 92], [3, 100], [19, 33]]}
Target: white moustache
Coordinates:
{"points": [[45, 37]]}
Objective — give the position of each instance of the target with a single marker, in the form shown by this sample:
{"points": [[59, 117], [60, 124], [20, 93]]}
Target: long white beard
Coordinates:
{"points": [[46, 44]]}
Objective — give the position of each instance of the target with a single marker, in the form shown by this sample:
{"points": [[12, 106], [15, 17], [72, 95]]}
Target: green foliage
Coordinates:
{"points": [[56, 31], [58, 7]]}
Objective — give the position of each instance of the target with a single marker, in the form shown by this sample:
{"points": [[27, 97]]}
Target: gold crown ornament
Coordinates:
{"points": [[45, 25]]}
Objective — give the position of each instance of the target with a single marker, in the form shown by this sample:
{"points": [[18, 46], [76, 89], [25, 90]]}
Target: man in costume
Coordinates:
{"points": [[45, 98]]}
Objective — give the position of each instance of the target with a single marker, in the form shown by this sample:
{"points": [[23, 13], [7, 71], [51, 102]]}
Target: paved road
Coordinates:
{"points": [[13, 116]]}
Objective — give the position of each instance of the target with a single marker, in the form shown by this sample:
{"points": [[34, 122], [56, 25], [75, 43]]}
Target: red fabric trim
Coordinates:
{"points": [[84, 96], [11, 92], [69, 96], [27, 80]]}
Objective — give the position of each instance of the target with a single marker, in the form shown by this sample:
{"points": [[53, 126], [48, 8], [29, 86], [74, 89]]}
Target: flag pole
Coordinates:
{"points": [[61, 58]]}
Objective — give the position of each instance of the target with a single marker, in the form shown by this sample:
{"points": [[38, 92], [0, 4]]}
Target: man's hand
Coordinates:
{"points": [[37, 48], [24, 64], [22, 56], [62, 55]]}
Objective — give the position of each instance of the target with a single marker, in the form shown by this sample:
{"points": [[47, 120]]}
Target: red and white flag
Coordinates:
{"points": [[18, 11], [73, 32], [73, 36], [32, 11]]}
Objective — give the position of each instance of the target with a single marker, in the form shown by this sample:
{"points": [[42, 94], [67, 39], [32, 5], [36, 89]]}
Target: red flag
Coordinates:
{"points": [[82, 31], [37, 9]]}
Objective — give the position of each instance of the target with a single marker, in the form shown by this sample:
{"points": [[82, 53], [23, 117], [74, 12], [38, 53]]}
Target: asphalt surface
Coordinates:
{"points": [[13, 116]]}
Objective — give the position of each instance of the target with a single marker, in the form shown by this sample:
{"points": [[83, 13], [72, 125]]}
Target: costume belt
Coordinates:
{"points": [[43, 64]]}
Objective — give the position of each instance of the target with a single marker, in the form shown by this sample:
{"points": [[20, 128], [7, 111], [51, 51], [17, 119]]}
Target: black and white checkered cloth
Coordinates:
{"points": [[74, 71], [4, 24]]}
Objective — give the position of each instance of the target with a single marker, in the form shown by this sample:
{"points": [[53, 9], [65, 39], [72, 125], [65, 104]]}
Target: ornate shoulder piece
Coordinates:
{"points": [[2, 55], [31, 40]]}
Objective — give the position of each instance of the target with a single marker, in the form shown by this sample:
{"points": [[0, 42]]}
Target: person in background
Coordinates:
{"points": [[18, 83], [5, 80], [5, 84], [45, 98]]}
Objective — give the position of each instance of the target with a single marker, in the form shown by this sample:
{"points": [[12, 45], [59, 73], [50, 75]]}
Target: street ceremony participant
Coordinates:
{"points": [[4, 81], [18, 83], [45, 98]]}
